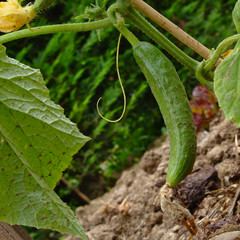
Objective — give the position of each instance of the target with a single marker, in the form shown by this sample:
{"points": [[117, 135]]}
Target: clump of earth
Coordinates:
{"points": [[211, 193]]}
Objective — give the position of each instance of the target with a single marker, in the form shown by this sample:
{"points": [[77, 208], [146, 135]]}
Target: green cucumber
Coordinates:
{"points": [[174, 106]]}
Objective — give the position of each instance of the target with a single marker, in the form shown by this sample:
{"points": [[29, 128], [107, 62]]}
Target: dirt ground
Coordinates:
{"points": [[211, 193]]}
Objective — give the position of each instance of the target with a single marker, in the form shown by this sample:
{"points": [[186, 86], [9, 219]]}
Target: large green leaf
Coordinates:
{"points": [[227, 85], [37, 142], [236, 16]]}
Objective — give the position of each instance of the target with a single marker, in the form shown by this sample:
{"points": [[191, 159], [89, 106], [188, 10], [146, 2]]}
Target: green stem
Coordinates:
{"points": [[128, 35], [119, 23], [199, 75], [70, 27], [211, 62], [159, 38]]}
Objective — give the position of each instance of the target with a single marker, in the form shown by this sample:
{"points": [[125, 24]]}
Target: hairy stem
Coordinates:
{"points": [[70, 27], [171, 28]]}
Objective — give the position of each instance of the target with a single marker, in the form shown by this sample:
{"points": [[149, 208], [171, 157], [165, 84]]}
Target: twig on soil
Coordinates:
{"points": [[68, 238], [222, 191], [80, 194], [236, 148], [231, 209], [123, 208], [90, 237], [220, 208]]}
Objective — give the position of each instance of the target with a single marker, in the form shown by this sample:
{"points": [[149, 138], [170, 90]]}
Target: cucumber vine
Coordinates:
{"points": [[29, 117]]}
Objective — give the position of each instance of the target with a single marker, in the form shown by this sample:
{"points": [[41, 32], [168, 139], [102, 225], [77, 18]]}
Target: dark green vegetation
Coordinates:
{"points": [[79, 69]]}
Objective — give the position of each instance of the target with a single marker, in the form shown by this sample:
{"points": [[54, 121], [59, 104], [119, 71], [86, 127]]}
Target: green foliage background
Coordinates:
{"points": [[78, 69]]}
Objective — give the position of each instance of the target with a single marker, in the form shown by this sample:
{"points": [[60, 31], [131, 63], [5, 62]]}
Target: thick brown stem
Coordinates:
{"points": [[8, 232], [171, 28]]}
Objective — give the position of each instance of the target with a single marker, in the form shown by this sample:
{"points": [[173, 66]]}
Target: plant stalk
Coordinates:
{"points": [[119, 23], [70, 27], [159, 38], [219, 51], [172, 28]]}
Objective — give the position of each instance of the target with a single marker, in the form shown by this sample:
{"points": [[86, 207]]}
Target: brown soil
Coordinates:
{"points": [[211, 193]]}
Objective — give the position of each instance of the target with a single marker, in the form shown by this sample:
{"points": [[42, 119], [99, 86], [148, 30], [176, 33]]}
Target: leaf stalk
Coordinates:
{"points": [[70, 27]]}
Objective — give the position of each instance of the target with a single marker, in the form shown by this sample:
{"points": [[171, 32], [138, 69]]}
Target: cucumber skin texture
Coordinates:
{"points": [[174, 106]]}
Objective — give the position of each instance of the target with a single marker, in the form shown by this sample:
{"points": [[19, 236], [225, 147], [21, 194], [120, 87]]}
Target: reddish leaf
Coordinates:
{"points": [[203, 105]]}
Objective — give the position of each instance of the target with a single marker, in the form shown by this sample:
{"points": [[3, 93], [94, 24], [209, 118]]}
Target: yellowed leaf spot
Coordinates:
{"points": [[227, 53]]}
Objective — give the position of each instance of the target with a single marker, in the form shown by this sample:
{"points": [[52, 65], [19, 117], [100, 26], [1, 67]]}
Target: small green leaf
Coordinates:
{"points": [[227, 85], [236, 15], [37, 142]]}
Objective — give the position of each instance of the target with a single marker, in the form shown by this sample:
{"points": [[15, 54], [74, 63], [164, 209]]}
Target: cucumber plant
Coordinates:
{"points": [[37, 141]]}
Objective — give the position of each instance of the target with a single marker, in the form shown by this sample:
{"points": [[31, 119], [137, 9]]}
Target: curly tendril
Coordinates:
{"points": [[123, 91]]}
